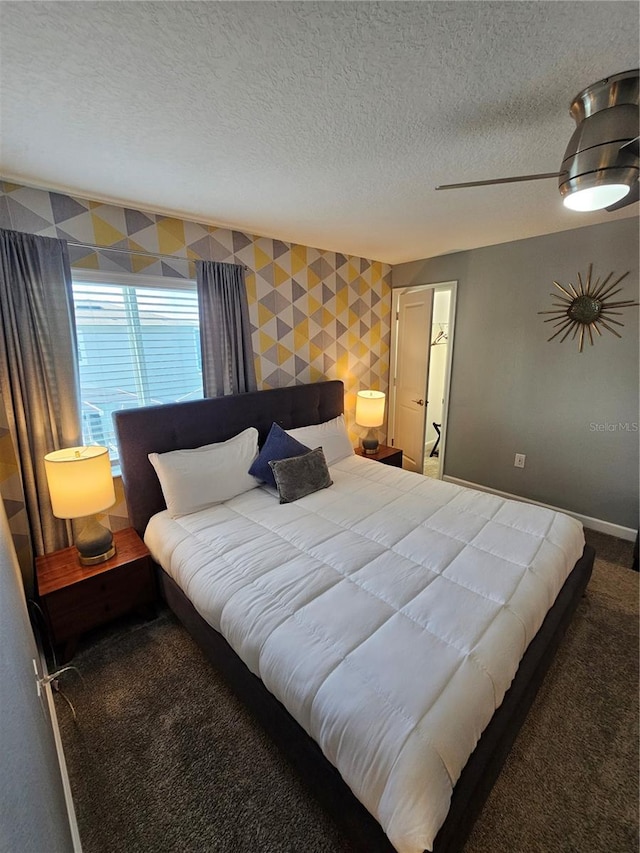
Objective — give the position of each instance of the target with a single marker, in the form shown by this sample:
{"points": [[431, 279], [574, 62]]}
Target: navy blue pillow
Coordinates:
{"points": [[278, 446]]}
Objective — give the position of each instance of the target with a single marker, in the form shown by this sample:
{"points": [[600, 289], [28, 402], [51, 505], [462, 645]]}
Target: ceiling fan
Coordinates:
{"points": [[600, 167]]}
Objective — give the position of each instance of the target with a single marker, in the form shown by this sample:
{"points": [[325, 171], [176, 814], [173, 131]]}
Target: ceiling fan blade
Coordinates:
{"points": [[514, 180], [631, 197], [633, 145]]}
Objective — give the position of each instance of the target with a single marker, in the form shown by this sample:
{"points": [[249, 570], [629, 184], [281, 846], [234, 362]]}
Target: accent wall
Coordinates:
{"points": [[315, 314]]}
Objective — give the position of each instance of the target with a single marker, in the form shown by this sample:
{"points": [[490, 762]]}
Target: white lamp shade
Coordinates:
{"points": [[80, 481], [370, 408]]}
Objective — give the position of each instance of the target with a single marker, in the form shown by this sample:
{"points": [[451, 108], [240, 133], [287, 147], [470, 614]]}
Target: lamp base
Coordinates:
{"points": [[370, 443], [94, 543], [99, 558]]}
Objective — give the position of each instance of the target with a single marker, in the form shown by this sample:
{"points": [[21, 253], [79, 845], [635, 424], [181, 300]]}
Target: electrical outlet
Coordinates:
{"points": [[519, 461]]}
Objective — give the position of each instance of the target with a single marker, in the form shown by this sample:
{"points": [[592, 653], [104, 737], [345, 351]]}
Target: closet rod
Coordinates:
{"points": [[133, 252]]}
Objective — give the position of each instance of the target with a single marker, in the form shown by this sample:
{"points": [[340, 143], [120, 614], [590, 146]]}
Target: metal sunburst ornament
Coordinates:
{"points": [[587, 306]]}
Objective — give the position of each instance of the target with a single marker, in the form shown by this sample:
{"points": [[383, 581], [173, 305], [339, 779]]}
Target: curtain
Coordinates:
{"points": [[225, 331], [38, 369]]}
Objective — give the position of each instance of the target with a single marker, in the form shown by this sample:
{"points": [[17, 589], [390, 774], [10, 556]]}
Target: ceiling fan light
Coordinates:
{"points": [[596, 197]]}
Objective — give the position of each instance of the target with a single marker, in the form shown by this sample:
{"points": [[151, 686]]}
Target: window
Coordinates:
{"points": [[139, 345]]}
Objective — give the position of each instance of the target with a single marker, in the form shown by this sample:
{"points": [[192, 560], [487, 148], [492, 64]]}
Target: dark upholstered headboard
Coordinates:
{"points": [[176, 426]]}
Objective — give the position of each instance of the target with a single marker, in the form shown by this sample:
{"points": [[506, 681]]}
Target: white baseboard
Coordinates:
{"points": [[66, 785], [598, 524]]}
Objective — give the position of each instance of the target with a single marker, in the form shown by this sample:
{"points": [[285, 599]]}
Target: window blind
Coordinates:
{"points": [[138, 345]]}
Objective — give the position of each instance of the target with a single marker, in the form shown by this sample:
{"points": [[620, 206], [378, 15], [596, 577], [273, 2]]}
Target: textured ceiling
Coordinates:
{"points": [[328, 124]]}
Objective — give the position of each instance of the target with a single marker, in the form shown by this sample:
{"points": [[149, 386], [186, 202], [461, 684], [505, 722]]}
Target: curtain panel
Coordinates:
{"points": [[38, 370], [225, 331]]}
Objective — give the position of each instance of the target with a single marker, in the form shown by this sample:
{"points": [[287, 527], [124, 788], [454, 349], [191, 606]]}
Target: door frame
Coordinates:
{"points": [[452, 286]]}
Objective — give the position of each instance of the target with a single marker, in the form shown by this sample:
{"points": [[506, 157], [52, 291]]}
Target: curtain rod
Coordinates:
{"points": [[135, 252]]}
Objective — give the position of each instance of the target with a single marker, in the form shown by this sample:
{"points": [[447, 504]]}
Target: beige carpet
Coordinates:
{"points": [[163, 758], [431, 466]]}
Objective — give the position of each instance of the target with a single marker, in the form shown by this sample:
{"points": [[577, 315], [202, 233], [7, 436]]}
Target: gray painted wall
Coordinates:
{"points": [[33, 813], [512, 392]]}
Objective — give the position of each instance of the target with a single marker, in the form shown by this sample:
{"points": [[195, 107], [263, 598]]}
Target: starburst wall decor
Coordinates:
{"points": [[587, 306]]}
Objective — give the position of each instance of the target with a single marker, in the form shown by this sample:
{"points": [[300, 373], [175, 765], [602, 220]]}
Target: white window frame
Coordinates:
{"points": [[125, 279]]}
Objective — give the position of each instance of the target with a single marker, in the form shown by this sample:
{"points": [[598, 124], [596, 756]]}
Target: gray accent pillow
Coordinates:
{"points": [[301, 475]]}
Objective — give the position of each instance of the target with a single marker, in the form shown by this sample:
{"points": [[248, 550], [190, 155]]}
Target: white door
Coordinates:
{"points": [[412, 371]]}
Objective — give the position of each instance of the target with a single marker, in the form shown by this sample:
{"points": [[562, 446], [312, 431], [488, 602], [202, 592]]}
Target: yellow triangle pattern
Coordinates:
{"points": [[283, 354], [250, 282], [298, 258], [313, 305], [351, 330], [264, 315], [301, 334], [171, 238], [279, 275], [105, 233], [89, 262], [261, 258], [139, 263]]}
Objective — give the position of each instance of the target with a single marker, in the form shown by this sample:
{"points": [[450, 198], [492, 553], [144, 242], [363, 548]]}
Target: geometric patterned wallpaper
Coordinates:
{"points": [[11, 491], [314, 314]]}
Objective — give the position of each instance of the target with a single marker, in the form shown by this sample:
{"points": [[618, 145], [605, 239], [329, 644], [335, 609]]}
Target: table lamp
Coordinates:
{"points": [[370, 413], [80, 485]]}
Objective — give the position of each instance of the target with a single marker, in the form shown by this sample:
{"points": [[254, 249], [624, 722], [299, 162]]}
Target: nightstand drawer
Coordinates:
{"points": [[80, 607]]}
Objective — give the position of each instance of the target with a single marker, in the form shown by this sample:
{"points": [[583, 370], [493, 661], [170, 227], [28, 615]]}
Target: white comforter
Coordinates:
{"points": [[388, 613]]}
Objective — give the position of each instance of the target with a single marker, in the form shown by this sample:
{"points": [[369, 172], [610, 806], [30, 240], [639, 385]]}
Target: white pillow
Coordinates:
{"points": [[331, 436], [195, 479]]}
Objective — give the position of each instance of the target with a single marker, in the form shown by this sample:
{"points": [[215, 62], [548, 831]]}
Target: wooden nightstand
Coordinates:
{"points": [[76, 598], [386, 455]]}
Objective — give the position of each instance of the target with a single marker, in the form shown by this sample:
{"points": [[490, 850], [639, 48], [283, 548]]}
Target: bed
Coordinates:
{"points": [[547, 539]]}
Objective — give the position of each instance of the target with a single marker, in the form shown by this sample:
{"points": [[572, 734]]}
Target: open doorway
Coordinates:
{"points": [[436, 382], [421, 354]]}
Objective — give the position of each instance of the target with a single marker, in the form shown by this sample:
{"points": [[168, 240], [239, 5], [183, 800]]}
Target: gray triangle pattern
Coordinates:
{"points": [[297, 291], [300, 366], [136, 220], [173, 271], [219, 252], [282, 328], [5, 218], [298, 316], [22, 542], [287, 308], [266, 273], [23, 219], [78, 228], [358, 307], [113, 261], [202, 248], [279, 249], [322, 340], [64, 207], [240, 241], [279, 379], [77, 254], [328, 363], [12, 507], [274, 302]]}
